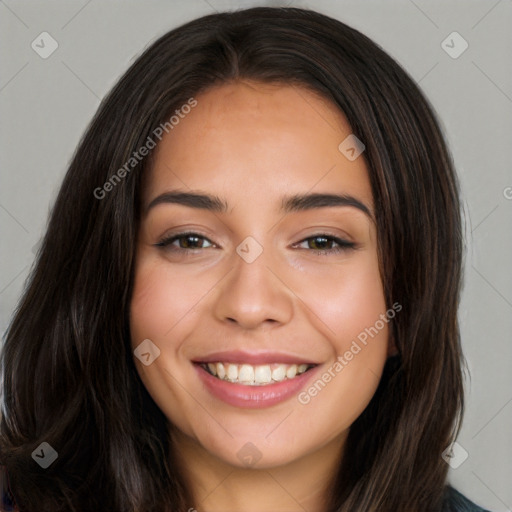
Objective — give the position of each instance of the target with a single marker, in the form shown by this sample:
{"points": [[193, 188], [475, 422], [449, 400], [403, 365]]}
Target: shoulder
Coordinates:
{"points": [[454, 501]]}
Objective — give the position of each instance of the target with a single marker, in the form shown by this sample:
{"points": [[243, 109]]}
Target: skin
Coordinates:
{"points": [[250, 144]]}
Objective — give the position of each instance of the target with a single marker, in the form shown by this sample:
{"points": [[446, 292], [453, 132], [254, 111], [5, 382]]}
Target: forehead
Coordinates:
{"points": [[253, 142]]}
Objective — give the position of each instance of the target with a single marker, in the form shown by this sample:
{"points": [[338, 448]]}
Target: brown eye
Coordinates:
{"points": [[186, 242], [322, 243]]}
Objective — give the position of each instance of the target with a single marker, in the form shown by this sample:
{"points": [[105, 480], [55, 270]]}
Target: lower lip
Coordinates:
{"points": [[253, 397]]}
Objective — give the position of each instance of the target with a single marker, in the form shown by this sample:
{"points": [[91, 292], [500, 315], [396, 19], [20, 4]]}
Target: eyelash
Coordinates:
{"points": [[343, 245]]}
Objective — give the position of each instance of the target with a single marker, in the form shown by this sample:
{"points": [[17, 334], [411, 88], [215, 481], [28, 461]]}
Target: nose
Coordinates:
{"points": [[254, 295]]}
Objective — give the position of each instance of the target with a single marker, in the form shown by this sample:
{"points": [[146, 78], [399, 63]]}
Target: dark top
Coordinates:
{"points": [[457, 502], [454, 502]]}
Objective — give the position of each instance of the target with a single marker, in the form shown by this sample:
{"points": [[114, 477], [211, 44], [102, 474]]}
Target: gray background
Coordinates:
{"points": [[45, 105]]}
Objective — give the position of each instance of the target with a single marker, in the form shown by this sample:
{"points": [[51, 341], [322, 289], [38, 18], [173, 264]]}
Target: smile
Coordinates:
{"points": [[255, 375]]}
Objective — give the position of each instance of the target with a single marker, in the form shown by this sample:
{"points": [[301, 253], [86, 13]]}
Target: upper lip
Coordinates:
{"points": [[242, 356]]}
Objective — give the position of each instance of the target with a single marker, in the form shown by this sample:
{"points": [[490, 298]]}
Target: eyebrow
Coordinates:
{"points": [[293, 203]]}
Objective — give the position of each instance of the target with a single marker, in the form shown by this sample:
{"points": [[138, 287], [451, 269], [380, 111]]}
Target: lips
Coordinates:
{"points": [[253, 380], [253, 358]]}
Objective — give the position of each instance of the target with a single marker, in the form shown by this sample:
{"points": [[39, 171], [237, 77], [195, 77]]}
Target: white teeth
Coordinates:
{"points": [[279, 373], [255, 375], [221, 372], [302, 368], [232, 372], [291, 371], [246, 374], [262, 374]]}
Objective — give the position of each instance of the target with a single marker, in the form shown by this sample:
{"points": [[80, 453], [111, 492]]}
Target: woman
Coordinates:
{"points": [[247, 295]]}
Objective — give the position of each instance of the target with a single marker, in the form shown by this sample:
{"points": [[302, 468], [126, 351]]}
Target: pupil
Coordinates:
{"points": [[188, 238], [321, 238]]}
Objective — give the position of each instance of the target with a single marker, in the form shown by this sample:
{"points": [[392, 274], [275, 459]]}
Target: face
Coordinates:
{"points": [[279, 297]]}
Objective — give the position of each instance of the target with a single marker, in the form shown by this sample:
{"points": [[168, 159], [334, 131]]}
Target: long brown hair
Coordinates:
{"points": [[67, 367]]}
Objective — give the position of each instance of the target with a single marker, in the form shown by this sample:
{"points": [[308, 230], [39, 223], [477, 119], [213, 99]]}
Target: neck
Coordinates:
{"points": [[216, 486]]}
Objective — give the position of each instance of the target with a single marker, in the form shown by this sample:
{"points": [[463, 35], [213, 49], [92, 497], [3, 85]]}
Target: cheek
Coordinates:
{"points": [[360, 306], [350, 310], [161, 298], [161, 310], [344, 300]]}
